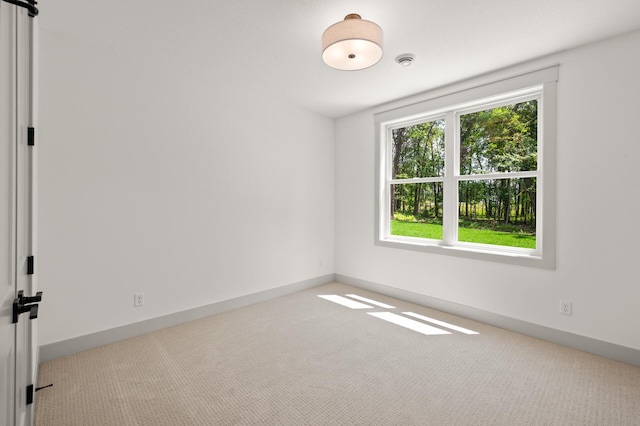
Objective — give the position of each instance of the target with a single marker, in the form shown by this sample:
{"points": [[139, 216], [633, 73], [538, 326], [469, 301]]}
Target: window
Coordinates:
{"points": [[470, 173]]}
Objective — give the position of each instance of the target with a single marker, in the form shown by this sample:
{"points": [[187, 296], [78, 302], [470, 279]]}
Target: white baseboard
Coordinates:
{"points": [[586, 344], [93, 340], [575, 341]]}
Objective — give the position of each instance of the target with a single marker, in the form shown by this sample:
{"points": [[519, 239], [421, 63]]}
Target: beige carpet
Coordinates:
{"points": [[304, 360]]}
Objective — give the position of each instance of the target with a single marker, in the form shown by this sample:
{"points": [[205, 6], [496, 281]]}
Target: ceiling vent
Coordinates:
{"points": [[405, 60]]}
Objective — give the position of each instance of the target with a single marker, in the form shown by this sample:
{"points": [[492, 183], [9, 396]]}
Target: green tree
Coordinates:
{"points": [[502, 139], [418, 151]]}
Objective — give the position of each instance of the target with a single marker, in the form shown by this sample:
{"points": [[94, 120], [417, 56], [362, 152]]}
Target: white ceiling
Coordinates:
{"points": [[272, 47]]}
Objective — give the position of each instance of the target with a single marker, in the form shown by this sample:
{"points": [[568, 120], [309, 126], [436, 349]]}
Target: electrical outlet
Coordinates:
{"points": [[138, 300], [565, 307]]}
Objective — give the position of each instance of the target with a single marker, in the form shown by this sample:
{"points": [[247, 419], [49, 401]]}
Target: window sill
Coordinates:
{"points": [[521, 257]]}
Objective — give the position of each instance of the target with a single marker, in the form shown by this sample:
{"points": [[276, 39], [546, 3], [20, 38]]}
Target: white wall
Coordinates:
{"points": [[157, 175], [597, 199], [160, 176]]}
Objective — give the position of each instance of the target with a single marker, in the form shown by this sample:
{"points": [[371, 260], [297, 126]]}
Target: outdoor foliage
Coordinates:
{"points": [[418, 151], [484, 236], [498, 140]]}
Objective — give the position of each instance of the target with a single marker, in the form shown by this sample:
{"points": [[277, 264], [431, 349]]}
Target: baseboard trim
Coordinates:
{"points": [[575, 341], [597, 347], [78, 344]]}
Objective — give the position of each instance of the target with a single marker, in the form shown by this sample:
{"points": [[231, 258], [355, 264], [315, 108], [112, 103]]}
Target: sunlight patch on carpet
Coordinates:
{"points": [[408, 323], [441, 323], [370, 301], [344, 301], [400, 320]]}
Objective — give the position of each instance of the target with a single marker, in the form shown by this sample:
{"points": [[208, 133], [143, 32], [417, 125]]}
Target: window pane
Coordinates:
{"points": [[416, 210], [418, 150], [498, 211], [503, 139]]}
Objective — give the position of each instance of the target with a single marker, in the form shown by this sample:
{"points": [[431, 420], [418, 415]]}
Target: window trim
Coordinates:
{"points": [[450, 103]]}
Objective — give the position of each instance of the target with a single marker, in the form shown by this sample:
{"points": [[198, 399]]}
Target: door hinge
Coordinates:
{"points": [[31, 136], [31, 267], [22, 305], [30, 5], [29, 395]]}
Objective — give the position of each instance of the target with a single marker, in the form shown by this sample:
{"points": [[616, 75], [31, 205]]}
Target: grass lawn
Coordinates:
{"points": [[482, 236]]}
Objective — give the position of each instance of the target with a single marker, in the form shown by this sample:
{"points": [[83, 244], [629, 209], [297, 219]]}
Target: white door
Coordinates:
{"points": [[18, 340], [7, 214]]}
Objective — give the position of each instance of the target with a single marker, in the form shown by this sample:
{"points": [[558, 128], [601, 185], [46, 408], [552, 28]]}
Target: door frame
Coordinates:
{"points": [[26, 218], [19, 54]]}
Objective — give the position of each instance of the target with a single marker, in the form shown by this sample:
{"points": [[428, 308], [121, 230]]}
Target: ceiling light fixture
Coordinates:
{"points": [[352, 44]]}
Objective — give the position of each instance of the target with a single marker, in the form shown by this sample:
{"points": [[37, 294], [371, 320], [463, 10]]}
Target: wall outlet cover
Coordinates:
{"points": [[565, 307], [138, 300]]}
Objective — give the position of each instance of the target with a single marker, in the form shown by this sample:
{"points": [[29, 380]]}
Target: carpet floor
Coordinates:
{"points": [[301, 359]]}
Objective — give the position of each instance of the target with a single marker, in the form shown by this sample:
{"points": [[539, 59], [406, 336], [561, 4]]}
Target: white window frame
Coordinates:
{"points": [[450, 104]]}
